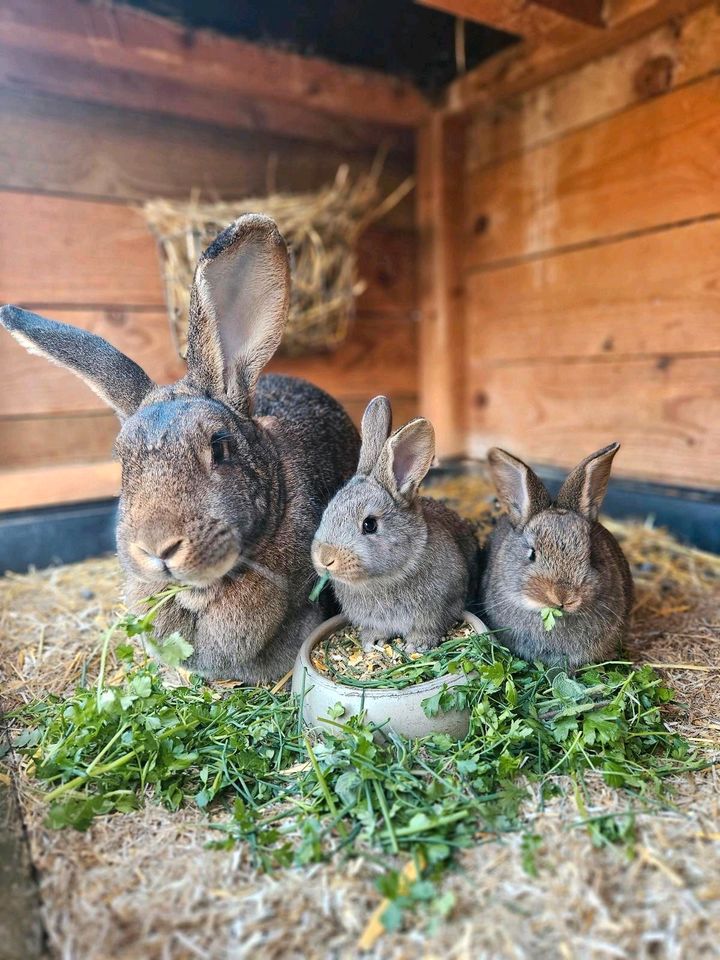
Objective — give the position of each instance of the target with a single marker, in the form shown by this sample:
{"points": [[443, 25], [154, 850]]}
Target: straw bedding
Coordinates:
{"points": [[142, 885]]}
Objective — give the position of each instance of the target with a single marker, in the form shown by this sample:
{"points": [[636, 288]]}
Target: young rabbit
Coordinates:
{"points": [[223, 484], [556, 554], [401, 565]]}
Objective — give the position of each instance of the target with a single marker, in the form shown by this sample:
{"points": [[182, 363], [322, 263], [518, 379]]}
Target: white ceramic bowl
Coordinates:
{"points": [[399, 709]]}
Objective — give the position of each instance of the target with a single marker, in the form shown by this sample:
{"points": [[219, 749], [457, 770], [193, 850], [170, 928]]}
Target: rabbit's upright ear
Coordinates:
{"points": [[519, 489], [115, 378], [406, 458], [238, 307], [374, 431], [584, 489]]}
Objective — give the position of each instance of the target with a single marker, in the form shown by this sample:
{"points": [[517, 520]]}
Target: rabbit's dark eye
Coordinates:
{"points": [[531, 554], [369, 525], [221, 449]]}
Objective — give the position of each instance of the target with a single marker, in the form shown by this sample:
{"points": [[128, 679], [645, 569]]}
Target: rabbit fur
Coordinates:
{"points": [[224, 474], [556, 554], [411, 576]]}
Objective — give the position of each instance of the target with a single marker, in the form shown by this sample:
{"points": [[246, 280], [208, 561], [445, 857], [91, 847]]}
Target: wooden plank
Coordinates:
{"points": [[379, 355], [442, 322], [525, 19], [656, 294], [56, 250], [72, 483], [590, 12], [30, 441], [31, 385], [531, 63], [34, 441], [103, 253], [94, 41], [665, 412], [28, 70], [89, 150], [654, 164], [669, 57]]}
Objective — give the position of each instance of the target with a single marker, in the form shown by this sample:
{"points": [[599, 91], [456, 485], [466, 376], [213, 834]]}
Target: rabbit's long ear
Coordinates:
{"points": [[406, 458], [238, 307], [519, 489], [374, 430], [584, 489], [115, 378]]}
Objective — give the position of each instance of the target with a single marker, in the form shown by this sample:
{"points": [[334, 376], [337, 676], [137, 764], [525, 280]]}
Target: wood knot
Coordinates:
{"points": [[655, 76], [481, 224]]}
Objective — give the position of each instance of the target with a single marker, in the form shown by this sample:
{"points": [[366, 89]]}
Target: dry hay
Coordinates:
{"points": [[142, 886], [321, 229]]}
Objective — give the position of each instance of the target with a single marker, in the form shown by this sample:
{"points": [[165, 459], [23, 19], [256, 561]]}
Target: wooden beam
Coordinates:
{"points": [[591, 12], [128, 58], [442, 322], [525, 18], [557, 51]]}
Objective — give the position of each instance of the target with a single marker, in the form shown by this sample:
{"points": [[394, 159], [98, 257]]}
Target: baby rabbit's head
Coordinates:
{"points": [[547, 557], [199, 471], [373, 527]]}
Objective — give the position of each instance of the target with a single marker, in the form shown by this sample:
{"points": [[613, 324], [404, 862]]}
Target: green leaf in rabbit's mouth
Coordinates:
{"points": [[319, 587], [549, 615]]}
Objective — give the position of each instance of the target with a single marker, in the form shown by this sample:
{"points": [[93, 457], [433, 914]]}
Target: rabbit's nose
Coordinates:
{"points": [[169, 548], [324, 554]]}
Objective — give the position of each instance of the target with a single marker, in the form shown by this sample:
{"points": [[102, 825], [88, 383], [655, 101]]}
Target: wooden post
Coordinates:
{"points": [[443, 366]]}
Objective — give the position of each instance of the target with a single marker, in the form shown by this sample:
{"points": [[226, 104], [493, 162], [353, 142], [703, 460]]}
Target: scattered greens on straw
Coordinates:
{"points": [[294, 799]]}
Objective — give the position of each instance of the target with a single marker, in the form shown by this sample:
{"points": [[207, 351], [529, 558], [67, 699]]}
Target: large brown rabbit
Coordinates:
{"points": [[223, 484]]}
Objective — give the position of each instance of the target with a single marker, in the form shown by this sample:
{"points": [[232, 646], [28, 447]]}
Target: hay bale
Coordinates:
{"points": [[321, 229]]}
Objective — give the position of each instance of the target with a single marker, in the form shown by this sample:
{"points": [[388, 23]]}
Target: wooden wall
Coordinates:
{"points": [[589, 235], [74, 246]]}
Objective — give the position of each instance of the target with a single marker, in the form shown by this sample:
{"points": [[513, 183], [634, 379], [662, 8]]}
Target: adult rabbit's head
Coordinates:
{"points": [[199, 472]]}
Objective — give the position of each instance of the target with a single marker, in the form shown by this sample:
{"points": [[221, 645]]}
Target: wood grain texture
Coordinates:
{"points": [[32, 385], [380, 355], [103, 253], [23, 70], [442, 319], [58, 250], [27, 441], [665, 413], [70, 483], [669, 57], [533, 62], [656, 294], [654, 164], [90, 42], [520, 17], [95, 151]]}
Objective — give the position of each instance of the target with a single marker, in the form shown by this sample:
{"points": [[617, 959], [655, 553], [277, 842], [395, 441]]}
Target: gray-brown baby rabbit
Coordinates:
{"points": [[401, 565], [556, 554]]}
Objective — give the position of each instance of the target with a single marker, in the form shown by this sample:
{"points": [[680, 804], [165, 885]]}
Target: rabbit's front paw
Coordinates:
{"points": [[415, 643], [370, 638]]}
